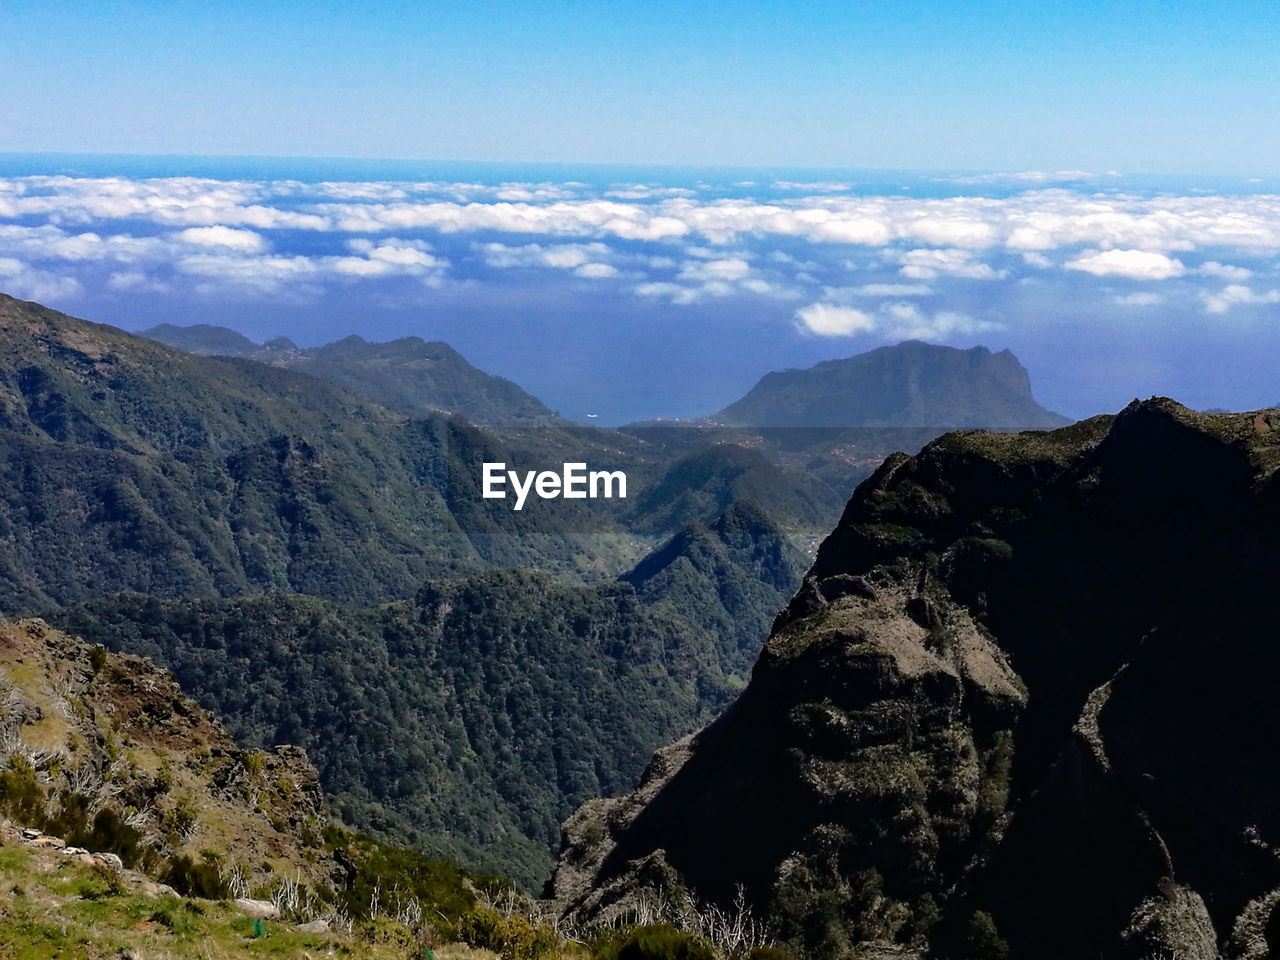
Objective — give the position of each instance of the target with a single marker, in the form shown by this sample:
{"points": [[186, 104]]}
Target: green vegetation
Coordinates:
{"points": [[658, 942], [729, 579], [470, 720]]}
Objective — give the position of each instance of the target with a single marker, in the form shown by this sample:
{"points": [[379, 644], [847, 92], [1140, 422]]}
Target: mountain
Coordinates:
{"points": [[729, 578], [912, 384], [129, 465], [701, 485], [409, 375], [203, 339], [134, 826], [1022, 706], [469, 720]]}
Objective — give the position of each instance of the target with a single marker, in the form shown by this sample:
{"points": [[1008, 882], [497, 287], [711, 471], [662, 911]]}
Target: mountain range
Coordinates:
{"points": [[409, 375], [304, 543]]}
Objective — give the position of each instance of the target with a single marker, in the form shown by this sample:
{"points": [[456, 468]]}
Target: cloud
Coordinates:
{"points": [[565, 256], [820, 186], [1036, 220], [220, 236], [842, 294], [50, 243], [1133, 264], [1031, 176], [1138, 299], [686, 244], [715, 270], [263, 273], [647, 191], [1235, 294], [135, 281], [830, 320], [924, 264], [26, 282], [1223, 270], [892, 321]]}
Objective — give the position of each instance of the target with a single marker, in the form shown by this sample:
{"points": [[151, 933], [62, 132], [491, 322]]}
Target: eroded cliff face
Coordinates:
{"points": [[1025, 695]]}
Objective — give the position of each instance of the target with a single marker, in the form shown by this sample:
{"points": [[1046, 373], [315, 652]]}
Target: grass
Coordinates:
{"points": [[54, 907]]}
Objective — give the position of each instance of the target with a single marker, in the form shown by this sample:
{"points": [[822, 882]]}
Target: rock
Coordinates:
{"points": [[30, 833], [110, 860], [74, 851], [48, 843], [315, 926], [258, 909], [1029, 677]]}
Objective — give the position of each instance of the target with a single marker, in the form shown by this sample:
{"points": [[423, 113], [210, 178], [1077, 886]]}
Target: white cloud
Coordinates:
{"points": [[135, 281], [892, 321], [1224, 270], [1133, 264], [820, 186], [25, 282], [924, 264], [715, 270], [48, 242], [1138, 299], [1235, 294], [830, 320], [1036, 220], [651, 234], [564, 256], [230, 237], [1031, 176], [878, 290], [265, 273]]}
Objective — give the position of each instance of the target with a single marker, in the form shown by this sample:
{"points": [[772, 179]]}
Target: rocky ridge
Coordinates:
{"points": [[1021, 706]]}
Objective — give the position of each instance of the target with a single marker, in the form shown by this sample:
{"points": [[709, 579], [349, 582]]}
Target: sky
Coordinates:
{"points": [[1143, 86], [636, 210]]}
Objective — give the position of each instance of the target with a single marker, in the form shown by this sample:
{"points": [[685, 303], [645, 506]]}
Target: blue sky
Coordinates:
{"points": [[1188, 87]]}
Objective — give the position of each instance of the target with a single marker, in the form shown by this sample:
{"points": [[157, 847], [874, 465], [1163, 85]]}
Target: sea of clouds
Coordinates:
{"points": [[839, 260]]}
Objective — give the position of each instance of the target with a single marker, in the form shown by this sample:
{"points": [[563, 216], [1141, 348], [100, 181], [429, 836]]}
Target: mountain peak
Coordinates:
{"points": [[910, 384]]}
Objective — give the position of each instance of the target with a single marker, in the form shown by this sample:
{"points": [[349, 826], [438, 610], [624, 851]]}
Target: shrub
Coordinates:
{"points": [[110, 834], [182, 818], [983, 940], [254, 762], [111, 879], [20, 793], [385, 930], [658, 942], [177, 916], [512, 938], [193, 879]]}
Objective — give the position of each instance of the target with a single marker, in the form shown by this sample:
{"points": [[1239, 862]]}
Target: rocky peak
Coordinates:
{"points": [[1025, 693]]}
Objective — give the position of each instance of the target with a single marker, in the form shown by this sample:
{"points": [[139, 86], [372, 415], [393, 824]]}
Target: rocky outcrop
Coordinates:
{"points": [[1023, 700], [102, 748]]}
